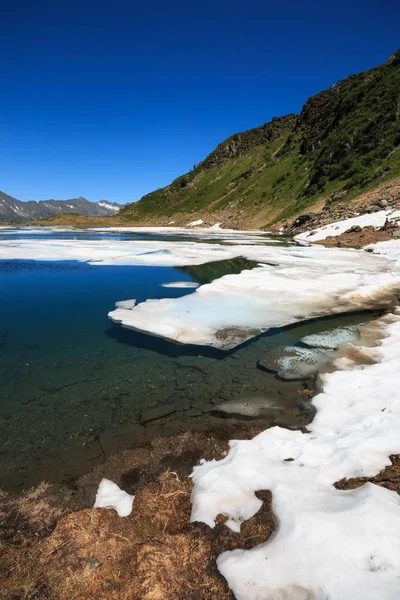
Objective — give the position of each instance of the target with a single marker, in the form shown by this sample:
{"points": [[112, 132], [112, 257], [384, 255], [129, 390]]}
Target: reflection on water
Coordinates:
{"points": [[214, 270]]}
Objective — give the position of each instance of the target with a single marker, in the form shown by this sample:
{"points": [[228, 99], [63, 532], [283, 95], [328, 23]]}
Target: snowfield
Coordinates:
{"points": [[328, 544], [376, 219]]}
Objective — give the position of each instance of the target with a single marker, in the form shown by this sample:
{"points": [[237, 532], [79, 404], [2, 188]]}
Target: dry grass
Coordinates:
{"points": [[49, 552], [52, 553], [388, 478], [25, 521]]}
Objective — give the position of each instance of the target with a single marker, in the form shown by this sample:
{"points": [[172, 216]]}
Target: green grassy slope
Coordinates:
{"points": [[346, 138]]}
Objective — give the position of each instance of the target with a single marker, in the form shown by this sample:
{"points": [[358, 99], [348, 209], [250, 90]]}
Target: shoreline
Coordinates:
{"points": [[74, 552], [55, 524]]}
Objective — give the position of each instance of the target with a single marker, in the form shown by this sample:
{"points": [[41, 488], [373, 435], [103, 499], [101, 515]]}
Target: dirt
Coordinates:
{"points": [[384, 197], [388, 478], [357, 239]]}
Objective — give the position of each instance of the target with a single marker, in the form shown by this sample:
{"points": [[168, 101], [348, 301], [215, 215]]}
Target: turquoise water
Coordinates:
{"points": [[76, 387]]}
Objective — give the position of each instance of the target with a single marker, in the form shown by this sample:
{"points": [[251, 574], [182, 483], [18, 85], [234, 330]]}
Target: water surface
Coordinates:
{"points": [[75, 386]]}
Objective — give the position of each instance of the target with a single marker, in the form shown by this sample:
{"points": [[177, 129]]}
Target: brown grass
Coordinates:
{"points": [[50, 552], [388, 478]]}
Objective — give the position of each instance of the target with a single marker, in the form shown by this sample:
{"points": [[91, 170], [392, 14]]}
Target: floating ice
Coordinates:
{"points": [[291, 362], [328, 543], [126, 304], [109, 495], [332, 338], [296, 284], [293, 284], [180, 284]]}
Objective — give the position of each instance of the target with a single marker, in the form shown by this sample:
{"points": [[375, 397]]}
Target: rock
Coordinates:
{"points": [[339, 195], [382, 202], [121, 438], [291, 362], [94, 563], [354, 229], [396, 234], [193, 412], [251, 404], [301, 220], [157, 413]]}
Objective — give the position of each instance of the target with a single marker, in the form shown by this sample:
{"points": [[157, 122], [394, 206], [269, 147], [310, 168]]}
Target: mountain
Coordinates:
{"points": [[345, 140], [17, 211]]}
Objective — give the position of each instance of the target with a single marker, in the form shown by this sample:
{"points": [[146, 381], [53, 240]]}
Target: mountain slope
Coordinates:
{"points": [[17, 211], [345, 140]]}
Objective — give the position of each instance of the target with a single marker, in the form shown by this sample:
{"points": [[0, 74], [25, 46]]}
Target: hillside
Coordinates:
{"points": [[16, 211], [345, 141]]}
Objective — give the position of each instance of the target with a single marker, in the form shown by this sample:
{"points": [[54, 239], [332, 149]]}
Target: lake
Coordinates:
{"points": [[77, 387]]}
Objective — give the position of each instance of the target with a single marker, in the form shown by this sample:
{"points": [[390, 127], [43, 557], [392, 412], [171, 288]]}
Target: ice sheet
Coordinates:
{"points": [[296, 284]]}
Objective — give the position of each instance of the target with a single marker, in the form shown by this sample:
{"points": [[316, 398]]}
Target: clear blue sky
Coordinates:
{"points": [[114, 99]]}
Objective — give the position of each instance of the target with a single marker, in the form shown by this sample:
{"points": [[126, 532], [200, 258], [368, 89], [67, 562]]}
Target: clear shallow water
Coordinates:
{"points": [[76, 387]]}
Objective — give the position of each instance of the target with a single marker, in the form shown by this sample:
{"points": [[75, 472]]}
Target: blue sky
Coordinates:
{"points": [[114, 99]]}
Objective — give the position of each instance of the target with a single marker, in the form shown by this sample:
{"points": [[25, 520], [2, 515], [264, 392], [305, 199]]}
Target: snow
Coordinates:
{"points": [[376, 219], [109, 495], [328, 543], [195, 223], [180, 284], [390, 248], [109, 206], [296, 284]]}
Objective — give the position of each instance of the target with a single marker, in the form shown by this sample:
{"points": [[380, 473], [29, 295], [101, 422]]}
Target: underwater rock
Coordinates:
{"points": [[252, 404], [291, 362], [333, 338]]}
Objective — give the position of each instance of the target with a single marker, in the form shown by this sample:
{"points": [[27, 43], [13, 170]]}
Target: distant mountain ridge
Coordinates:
{"points": [[345, 141], [16, 211]]}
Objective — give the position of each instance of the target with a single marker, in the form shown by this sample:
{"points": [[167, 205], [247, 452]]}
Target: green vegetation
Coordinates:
{"points": [[346, 138]]}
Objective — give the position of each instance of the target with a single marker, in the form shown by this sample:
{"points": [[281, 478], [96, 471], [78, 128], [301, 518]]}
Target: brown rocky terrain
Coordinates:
{"points": [[384, 197]]}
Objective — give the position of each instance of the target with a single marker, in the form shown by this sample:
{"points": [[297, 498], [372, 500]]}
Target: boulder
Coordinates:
{"points": [[301, 220], [354, 229]]}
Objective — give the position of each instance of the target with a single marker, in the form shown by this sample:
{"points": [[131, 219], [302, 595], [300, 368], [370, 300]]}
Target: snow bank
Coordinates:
{"points": [[390, 249], [328, 543], [195, 223], [376, 219], [297, 283], [109, 495]]}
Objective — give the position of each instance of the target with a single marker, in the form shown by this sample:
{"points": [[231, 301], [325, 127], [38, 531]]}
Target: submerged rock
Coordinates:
{"points": [[290, 362], [333, 338], [253, 404]]}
